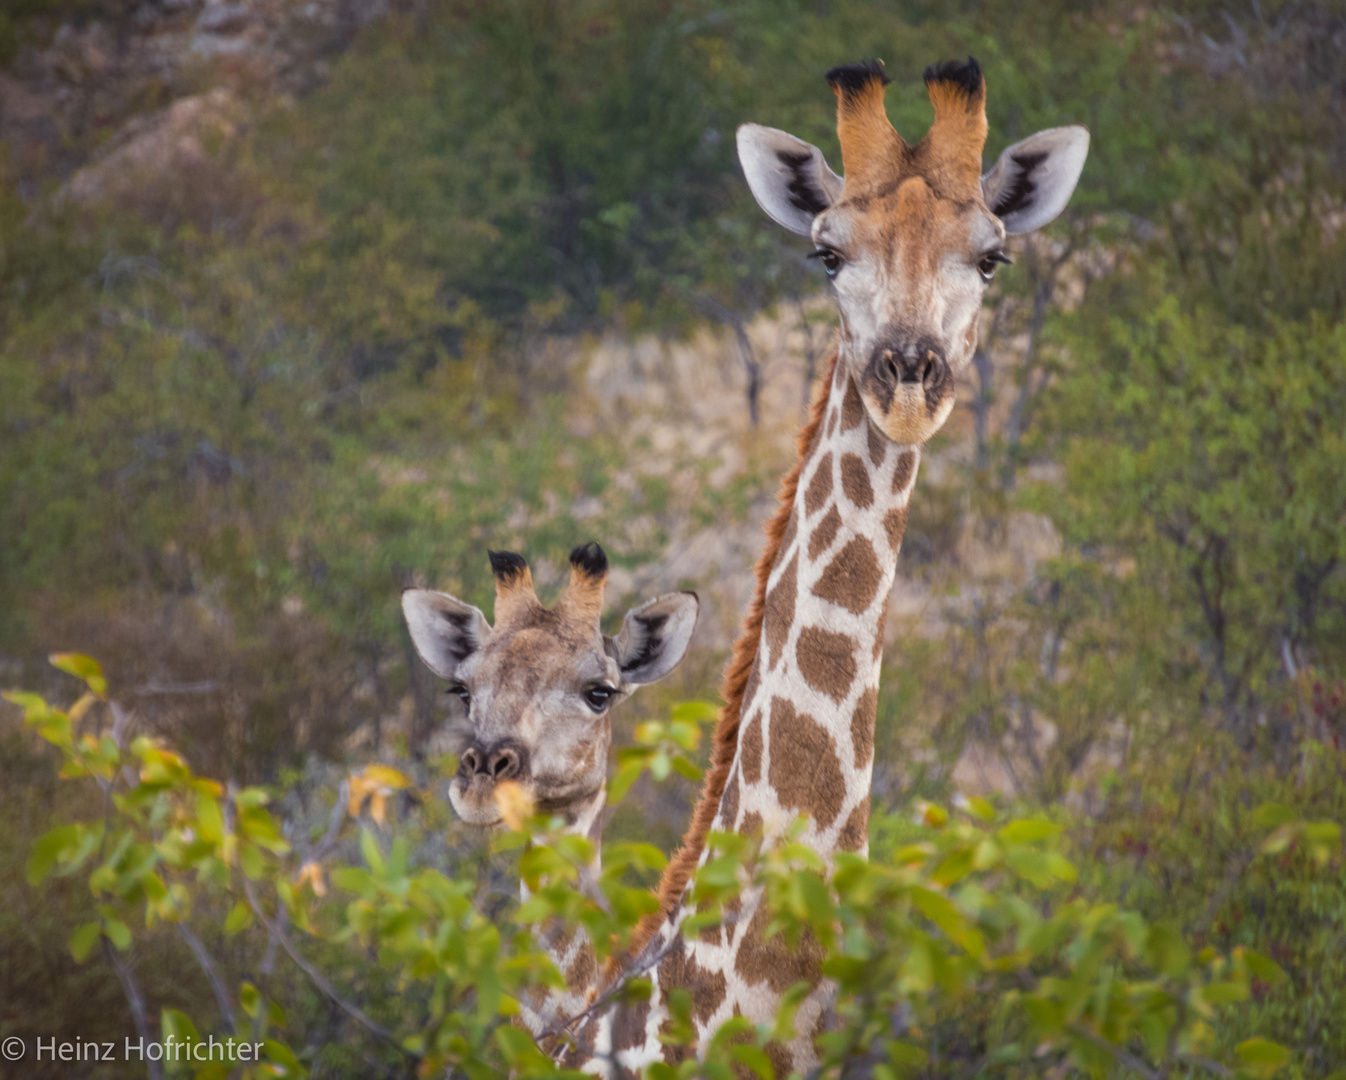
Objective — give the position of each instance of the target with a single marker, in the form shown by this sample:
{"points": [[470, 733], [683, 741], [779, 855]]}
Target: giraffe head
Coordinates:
{"points": [[912, 235], [532, 694]]}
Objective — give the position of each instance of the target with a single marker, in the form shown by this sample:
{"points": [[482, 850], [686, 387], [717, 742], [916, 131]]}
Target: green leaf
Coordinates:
{"points": [[1225, 993], [82, 667], [240, 917], [980, 808], [83, 940], [1272, 815], [687, 768], [1032, 865], [177, 1024], [1262, 1057], [953, 867], [119, 933], [754, 1057], [906, 1055], [621, 783], [1263, 967], [1167, 951], [282, 1055], [47, 849], [1028, 831]]}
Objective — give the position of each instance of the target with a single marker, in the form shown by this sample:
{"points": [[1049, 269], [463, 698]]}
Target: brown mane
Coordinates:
{"points": [[683, 864]]}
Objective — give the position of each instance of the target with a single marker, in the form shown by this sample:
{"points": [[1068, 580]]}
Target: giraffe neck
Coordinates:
{"points": [[806, 737], [796, 737], [571, 951]]}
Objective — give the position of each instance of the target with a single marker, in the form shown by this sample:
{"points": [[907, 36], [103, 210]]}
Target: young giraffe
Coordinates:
{"points": [[533, 697], [910, 238]]}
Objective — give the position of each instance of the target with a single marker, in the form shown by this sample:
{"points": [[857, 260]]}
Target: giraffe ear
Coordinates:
{"points": [[1034, 179], [445, 630], [654, 638], [788, 177]]}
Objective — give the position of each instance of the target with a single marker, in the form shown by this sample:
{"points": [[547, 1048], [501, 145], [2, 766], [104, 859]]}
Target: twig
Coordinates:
{"points": [[324, 847], [319, 979], [642, 965], [136, 1001], [205, 686], [212, 976]]}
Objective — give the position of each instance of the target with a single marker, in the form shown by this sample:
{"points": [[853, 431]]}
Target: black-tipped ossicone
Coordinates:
{"points": [[506, 566], [590, 559]]}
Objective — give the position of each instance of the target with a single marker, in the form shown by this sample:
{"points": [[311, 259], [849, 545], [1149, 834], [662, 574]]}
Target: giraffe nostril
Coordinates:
{"points": [[890, 362], [928, 369], [504, 764], [471, 762]]}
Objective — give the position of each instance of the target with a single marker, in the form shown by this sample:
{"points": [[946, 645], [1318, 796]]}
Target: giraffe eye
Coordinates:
{"points": [[462, 693], [986, 264], [830, 259], [599, 697]]}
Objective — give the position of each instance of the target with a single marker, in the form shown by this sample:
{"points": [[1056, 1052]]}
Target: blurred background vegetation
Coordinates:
{"points": [[300, 304]]}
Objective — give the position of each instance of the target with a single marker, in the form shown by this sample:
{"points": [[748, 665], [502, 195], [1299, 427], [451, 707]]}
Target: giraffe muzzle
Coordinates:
{"points": [[921, 364], [503, 761], [907, 386]]}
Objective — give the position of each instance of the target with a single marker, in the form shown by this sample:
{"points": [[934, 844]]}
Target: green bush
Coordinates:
{"points": [[970, 943]]}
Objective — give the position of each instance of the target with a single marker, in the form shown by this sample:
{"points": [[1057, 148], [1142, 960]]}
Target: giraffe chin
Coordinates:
{"points": [[908, 418], [474, 802]]}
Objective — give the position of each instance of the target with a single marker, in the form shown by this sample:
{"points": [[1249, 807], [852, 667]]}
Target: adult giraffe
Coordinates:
{"points": [[532, 705], [910, 239]]}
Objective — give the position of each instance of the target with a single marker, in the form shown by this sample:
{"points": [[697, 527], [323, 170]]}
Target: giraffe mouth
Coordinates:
{"points": [[908, 407], [473, 800]]}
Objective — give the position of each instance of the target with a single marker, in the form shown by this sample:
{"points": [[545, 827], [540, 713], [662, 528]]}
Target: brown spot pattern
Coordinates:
{"points": [[878, 445], [773, 961], [851, 578], [855, 480], [826, 660], [862, 726], [782, 1061], [852, 408], [895, 524], [752, 826], [729, 802], [750, 759], [906, 464], [583, 969], [780, 612], [825, 532], [804, 771], [628, 1026], [856, 830], [832, 422], [679, 969], [820, 487]]}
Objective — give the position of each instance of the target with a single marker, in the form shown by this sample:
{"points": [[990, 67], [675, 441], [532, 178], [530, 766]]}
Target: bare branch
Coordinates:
{"points": [[205, 686], [137, 1002], [319, 979], [212, 975], [324, 847]]}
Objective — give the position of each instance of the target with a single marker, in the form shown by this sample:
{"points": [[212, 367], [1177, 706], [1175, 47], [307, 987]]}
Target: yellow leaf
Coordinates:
{"points": [[514, 804], [374, 784], [312, 873], [82, 706]]}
